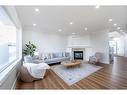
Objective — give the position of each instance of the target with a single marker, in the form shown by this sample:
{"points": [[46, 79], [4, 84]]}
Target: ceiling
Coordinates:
{"points": [[50, 19], [4, 18], [114, 34]]}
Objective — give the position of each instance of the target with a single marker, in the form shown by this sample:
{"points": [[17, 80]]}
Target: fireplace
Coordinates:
{"points": [[78, 55]]}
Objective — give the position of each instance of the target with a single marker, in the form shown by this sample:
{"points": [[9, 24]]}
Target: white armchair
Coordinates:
{"points": [[30, 71], [96, 58]]}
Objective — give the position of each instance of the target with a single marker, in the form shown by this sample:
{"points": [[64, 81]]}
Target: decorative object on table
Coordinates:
{"points": [[29, 52], [71, 63], [73, 75], [28, 59], [95, 59]]}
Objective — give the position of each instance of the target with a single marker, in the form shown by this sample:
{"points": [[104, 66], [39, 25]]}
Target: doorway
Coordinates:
{"points": [[116, 45], [112, 50]]}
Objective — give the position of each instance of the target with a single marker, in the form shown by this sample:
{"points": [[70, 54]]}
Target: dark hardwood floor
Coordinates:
{"points": [[112, 76]]}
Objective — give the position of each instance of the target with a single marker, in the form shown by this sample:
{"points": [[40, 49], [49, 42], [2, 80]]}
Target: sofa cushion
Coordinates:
{"points": [[53, 60], [60, 54], [63, 54], [67, 54], [55, 55], [49, 56], [56, 60]]}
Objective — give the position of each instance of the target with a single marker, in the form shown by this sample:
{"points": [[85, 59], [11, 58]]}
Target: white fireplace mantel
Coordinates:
{"points": [[79, 46], [87, 51]]}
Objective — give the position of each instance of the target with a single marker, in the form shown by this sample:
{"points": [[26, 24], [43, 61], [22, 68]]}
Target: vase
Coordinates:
{"points": [[28, 59]]}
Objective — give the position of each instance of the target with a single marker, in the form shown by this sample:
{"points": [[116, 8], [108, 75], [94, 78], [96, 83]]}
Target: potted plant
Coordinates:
{"points": [[29, 51]]}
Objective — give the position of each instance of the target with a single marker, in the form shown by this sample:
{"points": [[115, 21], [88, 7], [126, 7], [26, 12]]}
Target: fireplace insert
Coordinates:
{"points": [[78, 55]]}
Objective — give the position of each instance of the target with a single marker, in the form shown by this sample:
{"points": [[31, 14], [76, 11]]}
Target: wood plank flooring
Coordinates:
{"points": [[112, 76]]}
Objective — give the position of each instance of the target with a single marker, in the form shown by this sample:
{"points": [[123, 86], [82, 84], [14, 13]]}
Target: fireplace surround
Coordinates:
{"points": [[78, 55]]}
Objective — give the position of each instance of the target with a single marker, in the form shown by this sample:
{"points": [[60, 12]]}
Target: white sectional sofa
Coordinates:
{"points": [[51, 58]]}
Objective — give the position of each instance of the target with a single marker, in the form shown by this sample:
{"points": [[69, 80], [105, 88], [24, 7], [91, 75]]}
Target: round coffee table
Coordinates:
{"points": [[71, 63]]}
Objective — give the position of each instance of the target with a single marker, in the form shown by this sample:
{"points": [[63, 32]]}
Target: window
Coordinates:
{"points": [[8, 36]]}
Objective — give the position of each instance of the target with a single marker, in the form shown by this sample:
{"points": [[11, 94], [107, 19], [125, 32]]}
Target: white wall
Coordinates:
{"points": [[45, 42], [88, 53], [99, 43], [125, 45], [55, 43], [79, 41]]}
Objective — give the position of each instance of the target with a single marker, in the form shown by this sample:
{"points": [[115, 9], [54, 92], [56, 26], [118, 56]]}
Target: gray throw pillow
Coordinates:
{"points": [[67, 54]]}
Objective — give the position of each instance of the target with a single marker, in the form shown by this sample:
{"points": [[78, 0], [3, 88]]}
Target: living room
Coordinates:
{"points": [[61, 34]]}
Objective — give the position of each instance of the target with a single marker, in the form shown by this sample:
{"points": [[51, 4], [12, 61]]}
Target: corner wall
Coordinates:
{"points": [[125, 45], [99, 43], [45, 42]]}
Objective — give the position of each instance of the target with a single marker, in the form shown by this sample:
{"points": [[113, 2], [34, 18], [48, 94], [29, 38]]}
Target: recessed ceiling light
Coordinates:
{"points": [[118, 27], [110, 20], [34, 24], [73, 33], [86, 28], [97, 6], [115, 24], [36, 10], [71, 23], [59, 30]]}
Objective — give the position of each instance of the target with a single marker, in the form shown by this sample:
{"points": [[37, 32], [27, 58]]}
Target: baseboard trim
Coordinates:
{"points": [[14, 84]]}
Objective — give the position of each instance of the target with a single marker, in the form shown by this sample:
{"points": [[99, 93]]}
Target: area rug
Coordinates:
{"points": [[74, 74]]}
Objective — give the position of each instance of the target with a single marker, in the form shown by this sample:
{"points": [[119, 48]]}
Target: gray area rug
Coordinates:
{"points": [[74, 74]]}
